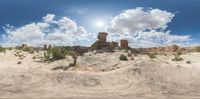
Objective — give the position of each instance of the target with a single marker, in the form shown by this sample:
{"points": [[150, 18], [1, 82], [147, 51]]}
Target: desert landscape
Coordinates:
{"points": [[101, 72], [100, 49]]}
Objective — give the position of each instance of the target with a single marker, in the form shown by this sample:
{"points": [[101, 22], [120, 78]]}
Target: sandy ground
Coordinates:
{"points": [[100, 76]]}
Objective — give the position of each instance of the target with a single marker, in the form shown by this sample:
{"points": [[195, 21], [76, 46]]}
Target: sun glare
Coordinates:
{"points": [[100, 23]]}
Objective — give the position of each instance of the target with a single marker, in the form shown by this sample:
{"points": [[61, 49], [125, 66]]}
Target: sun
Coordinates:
{"points": [[100, 23]]}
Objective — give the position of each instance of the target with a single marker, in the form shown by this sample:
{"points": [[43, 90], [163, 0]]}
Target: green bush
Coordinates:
{"points": [[123, 57], [31, 51], [130, 55], [152, 55], [134, 51], [58, 53], [188, 62], [179, 53], [26, 49], [198, 49], [177, 58], [2, 49]]}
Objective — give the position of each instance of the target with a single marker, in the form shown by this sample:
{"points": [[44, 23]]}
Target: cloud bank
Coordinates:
{"points": [[142, 27], [145, 28], [60, 32]]}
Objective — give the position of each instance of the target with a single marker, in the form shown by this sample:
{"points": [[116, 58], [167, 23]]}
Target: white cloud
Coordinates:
{"points": [[63, 31], [49, 18], [145, 28]]}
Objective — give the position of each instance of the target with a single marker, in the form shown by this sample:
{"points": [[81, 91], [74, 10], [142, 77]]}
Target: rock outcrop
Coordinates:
{"points": [[124, 43], [102, 43]]}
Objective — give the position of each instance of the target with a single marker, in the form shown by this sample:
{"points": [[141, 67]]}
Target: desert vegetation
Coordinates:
{"points": [[123, 57], [177, 56], [58, 53], [198, 49], [2, 49], [152, 55], [65, 69]]}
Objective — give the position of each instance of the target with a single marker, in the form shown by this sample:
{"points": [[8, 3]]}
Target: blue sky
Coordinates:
{"points": [[87, 13]]}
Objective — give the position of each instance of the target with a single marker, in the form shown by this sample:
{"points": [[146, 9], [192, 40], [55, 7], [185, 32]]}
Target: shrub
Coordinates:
{"points": [[134, 51], [126, 50], [2, 49], [122, 57], [33, 57], [19, 62], [31, 51], [130, 55], [26, 49], [198, 49], [179, 53], [177, 58], [58, 53], [152, 55], [47, 56], [188, 62]]}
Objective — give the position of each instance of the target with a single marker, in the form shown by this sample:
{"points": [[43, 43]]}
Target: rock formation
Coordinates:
{"points": [[102, 43], [124, 43]]}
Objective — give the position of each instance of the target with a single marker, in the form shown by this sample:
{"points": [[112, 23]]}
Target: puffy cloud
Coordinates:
{"points": [[145, 28], [154, 38], [134, 20], [49, 18], [63, 31]]}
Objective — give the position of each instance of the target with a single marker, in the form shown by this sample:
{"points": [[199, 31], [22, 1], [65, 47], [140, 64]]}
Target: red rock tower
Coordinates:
{"points": [[102, 36], [124, 43], [102, 39]]}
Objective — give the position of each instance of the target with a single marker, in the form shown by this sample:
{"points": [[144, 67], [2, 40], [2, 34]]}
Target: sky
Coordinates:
{"points": [[145, 23]]}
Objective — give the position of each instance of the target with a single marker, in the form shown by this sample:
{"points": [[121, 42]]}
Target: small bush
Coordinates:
{"points": [[198, 49], [130, 55], [33, 57], [31, 51], [19, 62], [179, 53], [134, 51], [188, 62], [177, 58], [26, 49], [58, 53], [2, 49], [123, 57], [126, 50], [152, 55]]}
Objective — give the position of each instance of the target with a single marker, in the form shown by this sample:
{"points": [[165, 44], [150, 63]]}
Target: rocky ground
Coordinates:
{"points": [[100, 76]]}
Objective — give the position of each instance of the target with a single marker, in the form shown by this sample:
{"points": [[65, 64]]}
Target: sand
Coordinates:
{"points": [[100, 76]]}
